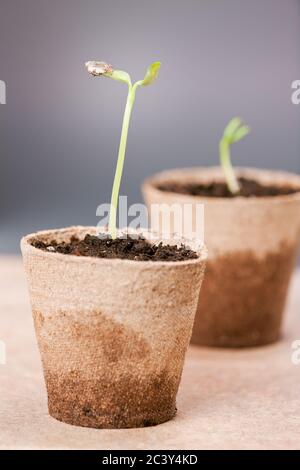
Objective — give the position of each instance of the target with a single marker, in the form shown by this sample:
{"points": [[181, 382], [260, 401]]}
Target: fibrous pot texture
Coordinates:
{"points": [[112, 333], [252, 248]]}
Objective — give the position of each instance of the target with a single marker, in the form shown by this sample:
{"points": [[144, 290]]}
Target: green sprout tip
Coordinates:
{"points": [[234, 131], [98, 68]]}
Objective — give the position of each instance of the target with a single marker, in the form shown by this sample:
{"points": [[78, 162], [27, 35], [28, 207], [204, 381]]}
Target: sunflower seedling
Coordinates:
{"points": [[98, 69], [234, 131]]}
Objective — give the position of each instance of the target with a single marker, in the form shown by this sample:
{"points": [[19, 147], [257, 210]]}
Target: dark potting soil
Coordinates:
{"points": [[249, 188], [137, 249]]}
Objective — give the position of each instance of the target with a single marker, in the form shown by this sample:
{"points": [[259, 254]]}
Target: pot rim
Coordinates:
{"points": [[196, 245], [216, 172]]}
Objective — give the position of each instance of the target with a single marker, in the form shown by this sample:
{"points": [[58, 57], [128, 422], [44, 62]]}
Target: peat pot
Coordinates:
{"points": [[112, 333], [252, 247]]}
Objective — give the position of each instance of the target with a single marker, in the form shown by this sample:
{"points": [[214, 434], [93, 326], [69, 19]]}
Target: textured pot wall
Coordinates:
{"points": [[112, 333], [252, 245]]}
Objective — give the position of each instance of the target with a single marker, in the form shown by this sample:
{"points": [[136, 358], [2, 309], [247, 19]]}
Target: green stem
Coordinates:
{"points": [[112, 225], [225, 161]]}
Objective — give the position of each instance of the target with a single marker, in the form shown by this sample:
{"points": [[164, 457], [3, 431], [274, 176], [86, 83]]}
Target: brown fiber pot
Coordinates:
{"points": [[112, 333], [252, 247]]}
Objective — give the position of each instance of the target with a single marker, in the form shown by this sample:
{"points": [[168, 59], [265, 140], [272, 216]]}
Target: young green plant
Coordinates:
{"points": [[234, 131], [97, 69]]}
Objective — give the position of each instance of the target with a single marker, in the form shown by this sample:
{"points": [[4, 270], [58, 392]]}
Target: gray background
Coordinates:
{"points": [[59, 131]]}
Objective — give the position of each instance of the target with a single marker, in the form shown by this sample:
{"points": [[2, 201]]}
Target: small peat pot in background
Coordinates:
{"points": [[252, 232], [112, 332]]}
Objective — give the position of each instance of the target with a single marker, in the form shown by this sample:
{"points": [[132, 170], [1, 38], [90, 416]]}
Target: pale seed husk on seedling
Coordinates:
{"points": [[97, 69]]}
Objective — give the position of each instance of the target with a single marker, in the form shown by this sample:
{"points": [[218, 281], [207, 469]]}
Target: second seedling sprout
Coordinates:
{"points": [[97, 69], [234, 131]]}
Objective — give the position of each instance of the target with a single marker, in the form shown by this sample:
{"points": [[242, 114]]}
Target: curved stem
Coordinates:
{"points": [[225, 161], [112, 225]]}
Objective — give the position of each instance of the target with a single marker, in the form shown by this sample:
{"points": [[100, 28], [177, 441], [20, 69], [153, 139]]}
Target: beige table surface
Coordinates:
{"points": [[240, 399]]}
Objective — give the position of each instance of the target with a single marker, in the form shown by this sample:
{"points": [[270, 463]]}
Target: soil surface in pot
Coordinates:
{"points": [[249, 188], [137, 249]]}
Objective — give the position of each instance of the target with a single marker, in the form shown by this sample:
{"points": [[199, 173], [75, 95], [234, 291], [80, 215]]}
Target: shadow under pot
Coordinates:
{"points": [[112, 333], [252, 242]]}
